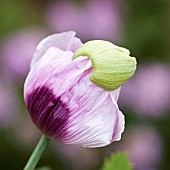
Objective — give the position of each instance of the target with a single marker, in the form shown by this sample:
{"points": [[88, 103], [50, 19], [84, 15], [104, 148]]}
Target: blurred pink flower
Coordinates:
{"points": [[148, 92], [144, 146], [17, 50], [94, 19], [8, 106], [22, 125], [87, 158]]}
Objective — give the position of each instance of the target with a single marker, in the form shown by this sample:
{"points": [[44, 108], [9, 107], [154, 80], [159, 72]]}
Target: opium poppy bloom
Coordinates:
{"points": [[63, 102]]}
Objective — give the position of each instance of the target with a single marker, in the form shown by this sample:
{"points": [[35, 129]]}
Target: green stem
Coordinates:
{"points": [[36, 155]]}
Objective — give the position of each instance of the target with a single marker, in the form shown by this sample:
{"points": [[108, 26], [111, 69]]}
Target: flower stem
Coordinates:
{"points": [[36, 155]]}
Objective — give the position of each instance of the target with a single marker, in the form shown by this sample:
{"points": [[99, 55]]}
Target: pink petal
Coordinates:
{"points": [[64, 41], [119, 125], [115, 94], [56, 70], [75, 43], [95, 119]]}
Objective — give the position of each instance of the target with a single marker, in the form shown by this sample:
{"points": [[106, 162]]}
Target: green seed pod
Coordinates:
{"points": [[112, 65]]}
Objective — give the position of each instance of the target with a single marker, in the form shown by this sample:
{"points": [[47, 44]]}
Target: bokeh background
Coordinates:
{"points": [[143, 26]]}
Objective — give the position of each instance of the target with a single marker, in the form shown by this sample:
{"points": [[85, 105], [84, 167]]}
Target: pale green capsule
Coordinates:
{"points": [[112, 65]]}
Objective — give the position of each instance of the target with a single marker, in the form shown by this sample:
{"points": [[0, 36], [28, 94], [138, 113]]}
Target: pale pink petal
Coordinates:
{"points": [[115, 94], [119, 127], [120, 122], [75, 43], [94, 116], [56, 70], [62, 41]]}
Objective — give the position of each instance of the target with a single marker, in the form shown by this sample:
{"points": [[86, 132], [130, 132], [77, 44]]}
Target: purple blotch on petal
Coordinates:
{"points": [[48, 112]]}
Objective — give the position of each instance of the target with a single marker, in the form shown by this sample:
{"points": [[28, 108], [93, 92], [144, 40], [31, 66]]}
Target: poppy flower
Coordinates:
{"points": [[62, 100]]}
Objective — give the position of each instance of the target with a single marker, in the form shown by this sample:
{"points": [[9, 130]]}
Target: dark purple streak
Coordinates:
{"points": [[48, 112]]}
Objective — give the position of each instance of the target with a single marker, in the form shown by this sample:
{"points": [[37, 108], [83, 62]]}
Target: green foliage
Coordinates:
{"points": [[118, 161], [16, 15], [44, 168], [147, 29]]}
